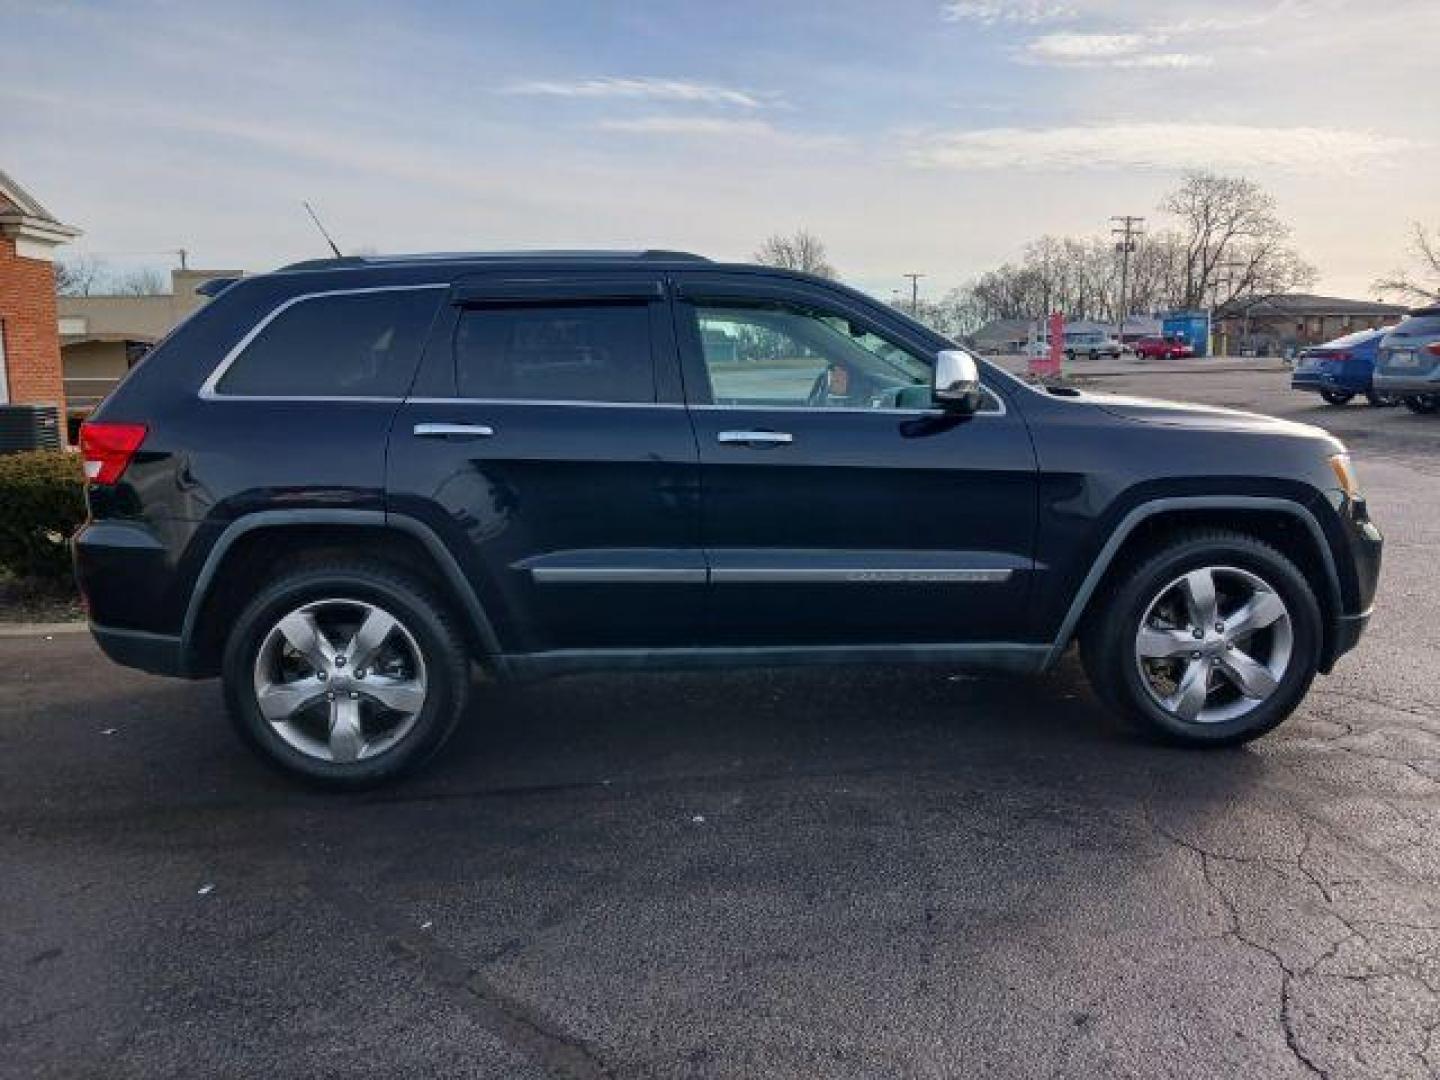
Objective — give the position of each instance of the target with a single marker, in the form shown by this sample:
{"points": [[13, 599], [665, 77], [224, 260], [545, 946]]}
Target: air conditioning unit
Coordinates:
{"points": [[29, 427]]}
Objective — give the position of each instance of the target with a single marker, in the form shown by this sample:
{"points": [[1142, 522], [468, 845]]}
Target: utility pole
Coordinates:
{"points": [[1228, 269], [914, 292], [1127, 232], [184, 258]]}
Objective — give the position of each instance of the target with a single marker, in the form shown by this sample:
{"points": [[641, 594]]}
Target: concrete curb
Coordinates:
{"points": [[41, 629]]}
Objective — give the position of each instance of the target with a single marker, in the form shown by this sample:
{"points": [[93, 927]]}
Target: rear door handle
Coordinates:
{"points": [[756, 438], [461, 431]]}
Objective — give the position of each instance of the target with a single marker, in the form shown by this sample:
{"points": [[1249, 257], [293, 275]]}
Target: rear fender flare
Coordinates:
{"points": [[460, 587]]}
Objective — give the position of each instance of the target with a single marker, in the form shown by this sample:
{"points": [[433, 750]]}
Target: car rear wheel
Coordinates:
{"points": [[1424, 404], [1211, 641], [346, 674], [1337, 397]]}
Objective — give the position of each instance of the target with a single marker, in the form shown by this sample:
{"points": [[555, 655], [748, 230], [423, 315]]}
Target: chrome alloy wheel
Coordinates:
{"points": [[340, 680], [1213, 644]]}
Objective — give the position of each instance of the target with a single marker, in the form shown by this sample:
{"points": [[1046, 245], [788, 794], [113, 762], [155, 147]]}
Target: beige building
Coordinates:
{"points": [[102, 337]]}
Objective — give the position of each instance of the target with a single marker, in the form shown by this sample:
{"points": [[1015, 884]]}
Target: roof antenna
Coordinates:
{"points": [[315, 218]]}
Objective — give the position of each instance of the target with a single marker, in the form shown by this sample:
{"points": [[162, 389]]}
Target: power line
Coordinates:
{"points": [[1128, 232]]}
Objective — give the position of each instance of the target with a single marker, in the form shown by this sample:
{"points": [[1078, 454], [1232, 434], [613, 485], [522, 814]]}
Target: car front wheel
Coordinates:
{"points": [[1337, 397], [346, 674], [1211, 641]]}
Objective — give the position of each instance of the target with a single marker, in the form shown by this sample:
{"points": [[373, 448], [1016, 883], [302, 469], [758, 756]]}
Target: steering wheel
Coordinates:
{"points": [[819, 390]]}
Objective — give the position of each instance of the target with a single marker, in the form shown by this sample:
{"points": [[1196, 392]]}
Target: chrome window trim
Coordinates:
{"points": [[545, 401], [999, 411], [208, 391]]}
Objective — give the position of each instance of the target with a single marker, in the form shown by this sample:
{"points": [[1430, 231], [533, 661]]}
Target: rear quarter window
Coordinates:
{"points": [[360, 344], [1418, 326]]}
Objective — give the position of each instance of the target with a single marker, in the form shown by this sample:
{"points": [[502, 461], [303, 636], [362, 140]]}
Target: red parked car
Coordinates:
{"points": [[1164, 348]]}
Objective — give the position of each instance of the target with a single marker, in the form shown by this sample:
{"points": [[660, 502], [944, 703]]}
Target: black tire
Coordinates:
{"points": [[1070, 355], [423, 617], [1337, 397], [1423, 404], [1107, 638]]}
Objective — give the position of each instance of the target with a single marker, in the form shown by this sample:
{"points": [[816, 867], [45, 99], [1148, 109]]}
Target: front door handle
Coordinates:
{"points": [[459, 431], [756, 438]]}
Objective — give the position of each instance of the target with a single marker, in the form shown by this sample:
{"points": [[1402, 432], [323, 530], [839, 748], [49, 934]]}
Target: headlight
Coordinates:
{"points": [[1345, 473]]}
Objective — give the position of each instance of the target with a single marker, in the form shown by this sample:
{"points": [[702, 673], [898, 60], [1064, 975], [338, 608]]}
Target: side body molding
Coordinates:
{"points": [[459, 585], [1149, 509]]}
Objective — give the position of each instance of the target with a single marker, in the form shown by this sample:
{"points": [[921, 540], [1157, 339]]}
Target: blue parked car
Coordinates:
{"points": [[1340, 369]]}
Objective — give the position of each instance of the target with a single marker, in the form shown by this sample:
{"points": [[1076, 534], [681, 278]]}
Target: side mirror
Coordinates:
{"points": [[957, 381]]}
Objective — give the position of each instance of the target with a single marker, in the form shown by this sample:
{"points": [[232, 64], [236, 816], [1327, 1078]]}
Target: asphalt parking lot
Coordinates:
{"points": [[817, 873]]}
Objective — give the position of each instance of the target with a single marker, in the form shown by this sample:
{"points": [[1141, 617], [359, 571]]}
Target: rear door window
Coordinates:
{"points": [[360, 344], [585, 352]]}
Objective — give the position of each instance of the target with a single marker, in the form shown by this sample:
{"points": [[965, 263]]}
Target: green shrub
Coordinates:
{"points": [[42, 503]]}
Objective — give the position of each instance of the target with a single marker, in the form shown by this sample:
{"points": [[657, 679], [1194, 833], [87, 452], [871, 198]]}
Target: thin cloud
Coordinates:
{"points": [[713, 126], [1070, 47], [992, 12], [1157, 146], [1132, 50], [1151, 46], [690, 125], [641, 88]]}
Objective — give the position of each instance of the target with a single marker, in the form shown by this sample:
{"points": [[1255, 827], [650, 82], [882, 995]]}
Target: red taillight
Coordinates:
{"points": [[108, 448], [1340, 355], [1433, 348]]}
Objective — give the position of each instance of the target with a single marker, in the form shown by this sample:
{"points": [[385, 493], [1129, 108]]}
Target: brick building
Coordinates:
{"points": [[30, 371], [1284, 323]]}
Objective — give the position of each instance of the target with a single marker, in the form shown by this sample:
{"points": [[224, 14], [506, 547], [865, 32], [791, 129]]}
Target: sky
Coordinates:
{"points": [[929, 136]]}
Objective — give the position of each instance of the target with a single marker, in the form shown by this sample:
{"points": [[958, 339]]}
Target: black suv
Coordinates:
{"points": [[340, 484]]}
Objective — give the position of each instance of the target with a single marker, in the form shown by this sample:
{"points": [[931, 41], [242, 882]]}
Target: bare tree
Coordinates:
{"points": [[1234, 242], [141, 281], [955, 315], [802, 250], [1229, 244], [1426, 251], [79, 275]]}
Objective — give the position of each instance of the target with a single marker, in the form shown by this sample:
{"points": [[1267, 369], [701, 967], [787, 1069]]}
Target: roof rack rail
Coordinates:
{"points": [[654, 254]]}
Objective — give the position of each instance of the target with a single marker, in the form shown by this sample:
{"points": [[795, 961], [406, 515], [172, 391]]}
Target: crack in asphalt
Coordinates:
{"points": [[1290, 975], [1234, 931], [517, 1025]]}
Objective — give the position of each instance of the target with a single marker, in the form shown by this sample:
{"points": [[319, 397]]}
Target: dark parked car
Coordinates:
{"points": [[1409, 363], [340, 485], [1340, 369], [1163, 348]]}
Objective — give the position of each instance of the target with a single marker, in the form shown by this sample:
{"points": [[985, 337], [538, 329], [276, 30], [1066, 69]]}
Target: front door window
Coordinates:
{"points": [[786, 356]]}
